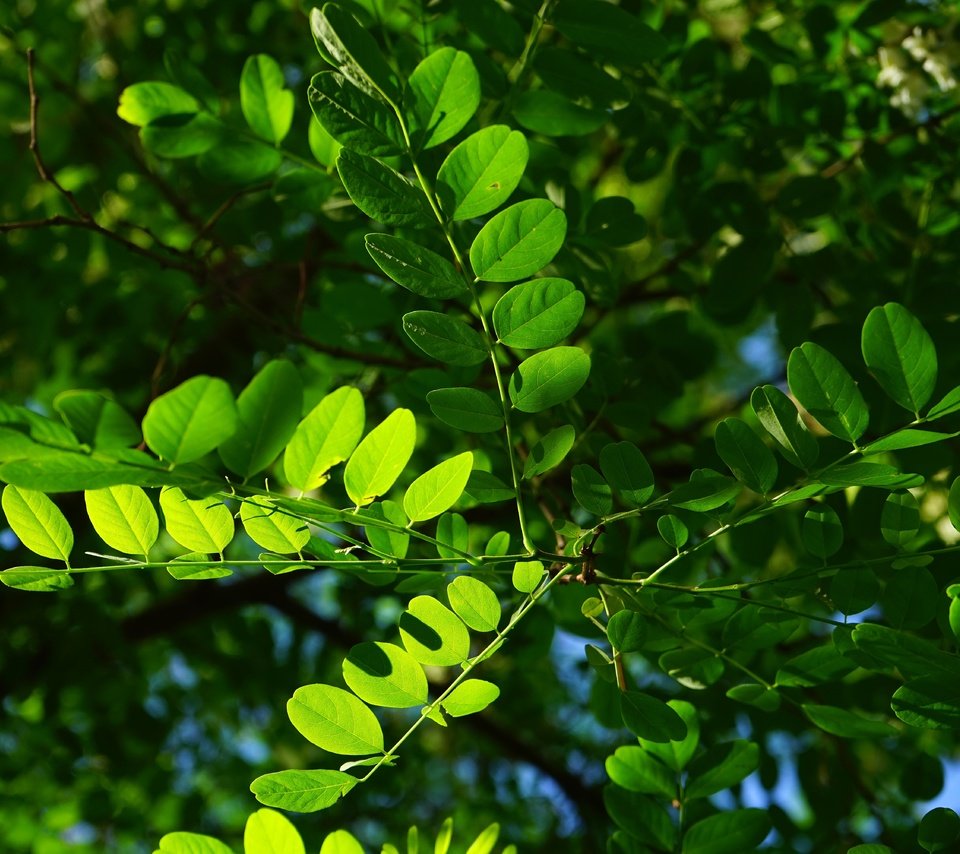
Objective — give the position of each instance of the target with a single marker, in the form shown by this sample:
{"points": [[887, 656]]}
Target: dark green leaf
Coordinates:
{"points": [[650, 718], [475, 603], [822, 531], [782, 421], [549, 378], [551, 114], [900, 354], [628, 472], [415, 268], [591, 491], [380, 192], [353, 118], [673, 531], [721, 767], [939, 829], [846, 724], [900, 518], [751, 462], [911, 598], [827, 391], [466, 409], [870, 474], [539, 313], [518, 241], [634, 769], [608, 31], [627, 631], [730, 832], [445, 338], [641, 817]]}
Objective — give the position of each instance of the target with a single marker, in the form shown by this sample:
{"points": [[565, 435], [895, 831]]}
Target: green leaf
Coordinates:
{"points": [[706, 491], [38, 523], [190, 420], [197, 567], [900, 354], [906, 438], [302, 791], [650, 718], [453, 534], [626, 469], [827, 391], [485, 841], [470, 697], [352, 118], [730, 832], [551, 114], [627, 631], [608, 31], [677, 752], [614, 221], [782, 421], [269, 832], [438, 489], [341, 842], [822, 531], [518, 241], [549, 452], [634, 769], [271, 528], [899, 519], [97, 420], [953, 503], [930, 702], [948, 405], [486, 488], [327, 436], [323, 146], [549, 378], [144, 103], [444, 92], [384, 540], [467, 409], [352, 50], [124, 518], [911, 598], [38, 579], [576, 77], [644, 819], [335, 720], [865, 473], [433, 634], [939, 829], [815, 666], [203, 525], [380, 192], [380, 457], [383, 674], [445, 338], [266, 104], [474, 603], [240, 160], [419, 270], [269, 409], [183, 136], [673, 531], [538, 313], [721, 767], [592, 492], [482, 172], [752, 694], [191, 843], [846, 724], [527, 575], [751, 462], [72, 472]]}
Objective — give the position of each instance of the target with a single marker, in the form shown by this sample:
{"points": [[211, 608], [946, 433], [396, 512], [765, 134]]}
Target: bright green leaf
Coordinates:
{"points": [[124, 518], [474, 603], [380, 457], [37, 579], [673, 531], [335, 720], [549, 452], [38, 523], [266, 104], [203, 525], [469, 697], [271, 528], [269, 832], [538, 313], [191, 843], [383, 674], [302, 791], [143, 103], [518, 241], [527, 575], [97, 420], [438, 489], [636, 770], [433, 634]]}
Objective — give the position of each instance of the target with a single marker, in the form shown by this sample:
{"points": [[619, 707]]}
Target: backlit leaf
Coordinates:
{"points": [[271, 528], [334, 720], [266, 104], [269, 832], [383, 674], [518, 241], [782, 421], [433, 634], [380, 457], [302, 791], [438, 489], [37, 579], [827, 391], [538, 313], [202, 525], [38, 523], [124, 518], [474, 603], [549, 452]]}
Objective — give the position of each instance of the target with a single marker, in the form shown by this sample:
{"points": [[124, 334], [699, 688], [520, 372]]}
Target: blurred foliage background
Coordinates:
{"points": [[790, 165]]}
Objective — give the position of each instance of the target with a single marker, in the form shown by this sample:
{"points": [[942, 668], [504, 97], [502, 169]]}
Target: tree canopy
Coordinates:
{"points": [[479, 425]]}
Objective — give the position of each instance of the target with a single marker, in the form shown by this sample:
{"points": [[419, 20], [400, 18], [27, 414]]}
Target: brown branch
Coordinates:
{"points": [[224, 207]]}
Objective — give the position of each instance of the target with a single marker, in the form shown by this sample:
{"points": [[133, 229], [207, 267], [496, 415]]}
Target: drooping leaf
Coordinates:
{"points": [[827, 391], [482, 172], [354, 52], [97, 420], [626, 469], [38, 579], [124, 518], [548, 378], [269, 832], [706, 491], [380, 192], [538, 313], [552, 114], [474, 603], [444, 92], [518, 241], [327, 436], [201, 525], [302, 791], [650, 718], [383, 674], [470, 697], [269, 409], [721, 767], [417, 269], [353, 118], [900, 354], [729, 832], [38, 523], [271, 528], [380, 457], [608, 31], [335, 720], [445, 338], [527, 575], [467, 409], [844, 723], [190, 420], [267, 105], [438, 489], [627, 631], [782, 421], [592, 492], [751, 462], [549, 452], [822, 531], [433, 634], [71, 472]]}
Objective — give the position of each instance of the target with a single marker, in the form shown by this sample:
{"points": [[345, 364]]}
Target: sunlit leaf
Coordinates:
{"points": [[124, 518], [38, 522], [518, 241], [383, 674], [334, 720], [380, 457]]}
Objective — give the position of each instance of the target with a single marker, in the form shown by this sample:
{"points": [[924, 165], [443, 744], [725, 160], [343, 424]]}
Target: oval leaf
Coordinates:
{"points": [[266, 104], [433, 634], [827, 391], [38, 523], [271, 528], [900, 354], [335, 720], [383, 674], [438, 489], [380, 457], [124, 518], [539, 313], [751, 462], [474, 603], [470, 697], [203, 525], [445, 338], [519, 241], [380, 192], [417, 269], [549, 378], [444, 92], [302, 791]]}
